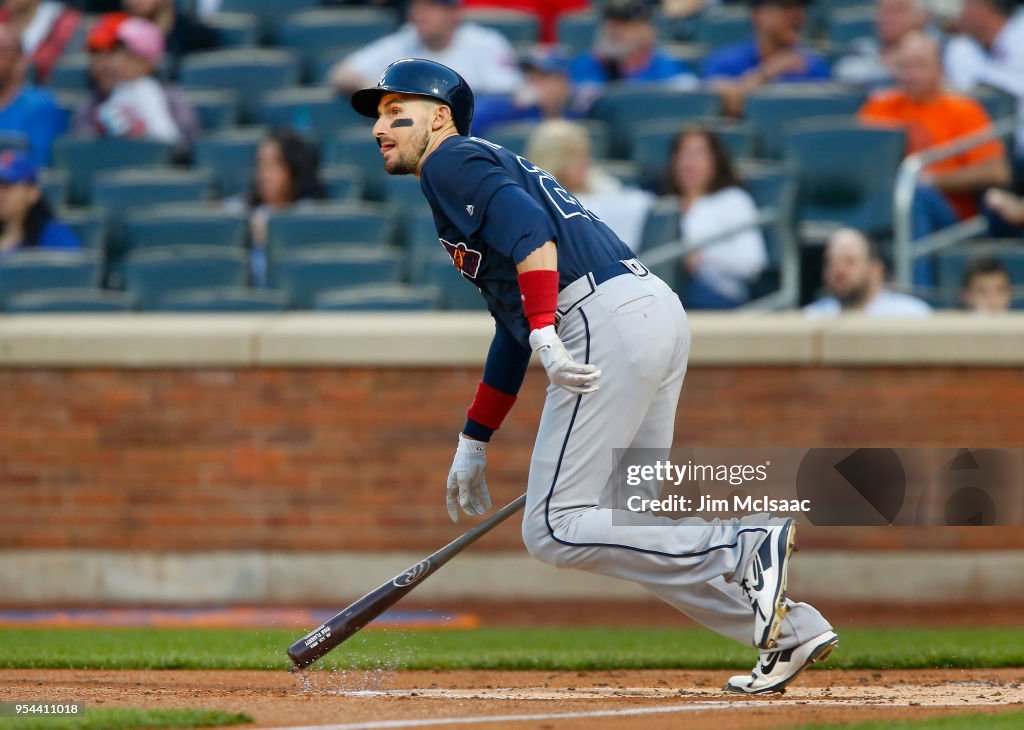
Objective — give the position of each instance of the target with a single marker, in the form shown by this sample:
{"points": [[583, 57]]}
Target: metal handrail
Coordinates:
{"points": [[907, 177]]}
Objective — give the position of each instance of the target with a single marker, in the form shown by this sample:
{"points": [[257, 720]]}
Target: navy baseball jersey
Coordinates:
{"points": [[492, 208]]}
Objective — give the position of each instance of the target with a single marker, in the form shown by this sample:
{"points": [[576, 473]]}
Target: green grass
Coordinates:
{"points": [[491, 648], [125, 719], [1004, 721]]}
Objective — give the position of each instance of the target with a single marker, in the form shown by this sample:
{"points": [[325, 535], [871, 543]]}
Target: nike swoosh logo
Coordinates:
{"points": [[758, 574], [767, 667]]}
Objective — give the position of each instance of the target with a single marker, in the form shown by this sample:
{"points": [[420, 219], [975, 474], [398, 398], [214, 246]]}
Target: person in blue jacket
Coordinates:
{"points": [[26, 219]]}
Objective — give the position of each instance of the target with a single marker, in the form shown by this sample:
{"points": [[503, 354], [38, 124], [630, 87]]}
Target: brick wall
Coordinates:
{"points": [[356, 458]]}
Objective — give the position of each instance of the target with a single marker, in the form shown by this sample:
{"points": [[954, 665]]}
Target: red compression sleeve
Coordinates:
{"points": [[487, 411], [539, 290]]}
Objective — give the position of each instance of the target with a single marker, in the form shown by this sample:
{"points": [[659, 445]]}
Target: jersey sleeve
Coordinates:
{"points": [[462, 185]]}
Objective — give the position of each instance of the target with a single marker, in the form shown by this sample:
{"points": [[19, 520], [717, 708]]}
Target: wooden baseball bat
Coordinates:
{"points": [[322, 639]]}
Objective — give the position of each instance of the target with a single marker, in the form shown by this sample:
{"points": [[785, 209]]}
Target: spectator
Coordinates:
{"points": [[774, 54], [287, 174], [563, 148], [546, 93], [1008, 206], [869, 62], [626, 49], [102, 45], [23, 107], [182, 34], [138, 107], [712, 202], [45, 28], [932, 117], [436, 32], [855, 279], [990, 53], [26, 220], [986, 287]]}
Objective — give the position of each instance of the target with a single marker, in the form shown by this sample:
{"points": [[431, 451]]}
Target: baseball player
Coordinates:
{"points": [[614, 341]]}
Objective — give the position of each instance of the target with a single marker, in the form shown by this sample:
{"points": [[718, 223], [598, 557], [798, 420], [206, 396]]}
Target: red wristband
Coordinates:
{"points": [[490, 406], [539, 289]]}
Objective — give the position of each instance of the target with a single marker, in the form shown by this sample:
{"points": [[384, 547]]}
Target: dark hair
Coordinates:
{"points": [[983, 266], [1006, 8], [303, 162], [723, 175], [35, 221]]}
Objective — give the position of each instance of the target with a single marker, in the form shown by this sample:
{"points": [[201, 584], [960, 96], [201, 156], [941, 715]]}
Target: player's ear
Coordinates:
{"points": [[442, 115]]}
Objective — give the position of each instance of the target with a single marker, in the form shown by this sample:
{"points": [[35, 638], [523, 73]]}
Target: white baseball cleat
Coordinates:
{"points": [[776, 669], [764, 582]]}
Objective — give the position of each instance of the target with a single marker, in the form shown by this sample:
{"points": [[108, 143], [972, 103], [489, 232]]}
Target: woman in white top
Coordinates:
{"points": [[563, 148], [712, 202]]}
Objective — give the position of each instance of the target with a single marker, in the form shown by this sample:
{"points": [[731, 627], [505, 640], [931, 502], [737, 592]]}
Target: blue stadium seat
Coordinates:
{"points": [[624, 107], [89, 224], [270, 12], [846, 172], [151, 276], [772, 109], [517, 27], [252, 72], [661, 227], [379, 298], [231, 156], [328, 224], [355, 146], [205, 225], [318, 68], [772, 186], [84, 157], [514, 136], [312, 32], [216, 108], [71, 73], [421, 243], [226, 300], [953, 262], [404, 192], [34, 270], [343, 182], [652, 141], [120, 191], [68, 301], [723, 27], [317, 109], [576, 31], [55, 184], [235, 30], [305, 274], [846, 25], [457, 292]]}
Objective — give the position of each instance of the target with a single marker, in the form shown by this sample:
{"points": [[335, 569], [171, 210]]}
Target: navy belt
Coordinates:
{"points": [[615, 268]]}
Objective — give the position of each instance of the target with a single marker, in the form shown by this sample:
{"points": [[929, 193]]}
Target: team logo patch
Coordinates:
{"points": [[466, 260]]}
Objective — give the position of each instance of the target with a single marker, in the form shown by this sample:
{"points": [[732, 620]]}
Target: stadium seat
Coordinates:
{"points": [[55, 186], [321, 224], [953, 262], [66, 301], [319, 67], [89, 224], [519, 28], [10, 140], [317, 109], [355, 146], [71, 72], [223, 300], [457, 292], [772, 109], [624, 107], [120, 191], [514, 136], [997, 102], [846, 25], [235, 30], [652, 141], [723, 27], [846, 172], [343, 182], [270, 12], [175, 225], [83, 157], [231, 156], [379, 298], [305, 274], [421, 243], [576, 31], [772, 186], [150, 276], [252, 72], [26, 271], [312, 32], [404, 193], [216, 108], [661, 227]]}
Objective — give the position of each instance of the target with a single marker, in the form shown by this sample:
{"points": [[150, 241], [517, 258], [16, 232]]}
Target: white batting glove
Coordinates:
{"points": [[466, 484], [562, 370]]}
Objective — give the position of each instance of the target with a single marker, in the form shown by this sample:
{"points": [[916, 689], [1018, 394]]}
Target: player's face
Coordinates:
{"points": [[402, 131], [988, 293]]}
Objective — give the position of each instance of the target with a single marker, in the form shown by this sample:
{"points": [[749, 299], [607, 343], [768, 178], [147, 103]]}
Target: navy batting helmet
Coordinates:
{"points": [[423, 78]]}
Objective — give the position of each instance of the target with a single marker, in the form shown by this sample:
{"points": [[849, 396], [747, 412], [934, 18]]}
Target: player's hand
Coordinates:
{"points": [[562, 370], [466, 484]]}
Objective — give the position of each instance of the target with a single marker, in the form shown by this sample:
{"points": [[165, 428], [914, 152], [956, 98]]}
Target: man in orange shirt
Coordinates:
{"points": [[934, 116]]}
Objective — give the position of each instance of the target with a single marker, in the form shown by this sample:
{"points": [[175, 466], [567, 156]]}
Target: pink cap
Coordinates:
{"points": [[142, 38]]}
